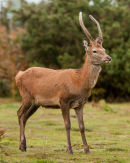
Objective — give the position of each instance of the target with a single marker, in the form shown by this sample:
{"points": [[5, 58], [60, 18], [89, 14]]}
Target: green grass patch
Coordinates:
{"points": [[107, 132]]}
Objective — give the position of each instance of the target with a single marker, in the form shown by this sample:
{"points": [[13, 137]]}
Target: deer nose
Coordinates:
{"points": [[109, 58]]}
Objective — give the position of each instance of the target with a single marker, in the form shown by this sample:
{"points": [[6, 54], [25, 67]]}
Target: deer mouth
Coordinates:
{"points": [[107, 61]]}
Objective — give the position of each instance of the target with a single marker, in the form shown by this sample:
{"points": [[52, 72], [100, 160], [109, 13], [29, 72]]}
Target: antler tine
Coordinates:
{"points": [[98, 26], [84, 28]]}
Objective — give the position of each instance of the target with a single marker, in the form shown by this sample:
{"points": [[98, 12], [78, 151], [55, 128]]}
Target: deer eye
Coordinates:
{"points": [[94, 51]]}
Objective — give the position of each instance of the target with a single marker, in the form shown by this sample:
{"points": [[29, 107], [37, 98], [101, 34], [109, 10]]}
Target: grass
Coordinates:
{"points": [[107, 133]]}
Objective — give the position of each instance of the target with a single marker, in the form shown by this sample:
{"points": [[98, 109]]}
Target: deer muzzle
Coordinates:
{"points": [[107, 59]]}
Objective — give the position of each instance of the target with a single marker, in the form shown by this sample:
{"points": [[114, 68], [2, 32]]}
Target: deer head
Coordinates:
{"points": [[94, 49]]}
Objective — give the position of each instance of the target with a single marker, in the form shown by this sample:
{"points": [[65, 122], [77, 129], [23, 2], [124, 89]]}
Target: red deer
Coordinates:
{"points": [[68, 88]]}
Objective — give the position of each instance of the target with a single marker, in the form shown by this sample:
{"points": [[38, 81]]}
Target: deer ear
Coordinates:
{"points": [[85, 44], [99, 40]]}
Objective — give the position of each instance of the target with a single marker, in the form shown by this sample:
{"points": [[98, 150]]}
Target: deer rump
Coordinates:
{"points": [[47, 87]]}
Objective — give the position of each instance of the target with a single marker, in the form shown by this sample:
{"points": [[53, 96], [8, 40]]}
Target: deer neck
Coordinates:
{"points": [[89, 73]]}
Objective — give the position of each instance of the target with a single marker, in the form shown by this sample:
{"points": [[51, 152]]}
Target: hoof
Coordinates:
{"points": [[22, 148], [86, 150], [69, 151]]}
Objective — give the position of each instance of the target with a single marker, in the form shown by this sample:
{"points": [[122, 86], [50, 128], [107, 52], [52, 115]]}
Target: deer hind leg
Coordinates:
{"points": [[21, 112], [79, 113], [25, 111], [33, 108]]}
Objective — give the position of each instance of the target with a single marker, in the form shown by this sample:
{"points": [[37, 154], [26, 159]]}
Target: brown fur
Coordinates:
{"points": [[2, 132], [69, 88]]}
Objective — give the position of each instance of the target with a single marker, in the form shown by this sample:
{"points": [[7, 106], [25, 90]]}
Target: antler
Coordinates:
{"points": [[84, 28], [98, 26]]}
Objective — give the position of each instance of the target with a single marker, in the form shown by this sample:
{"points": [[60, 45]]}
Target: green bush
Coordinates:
{"points": [[4, 88]]}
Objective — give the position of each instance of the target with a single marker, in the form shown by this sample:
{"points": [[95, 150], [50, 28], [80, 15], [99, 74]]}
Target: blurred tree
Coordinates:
{"points": [[52, 32], [6, 7], [12, 59], [116, 76]]}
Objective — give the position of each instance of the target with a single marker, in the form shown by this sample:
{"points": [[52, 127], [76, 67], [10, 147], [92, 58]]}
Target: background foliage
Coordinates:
{"points": [[53, 39]]}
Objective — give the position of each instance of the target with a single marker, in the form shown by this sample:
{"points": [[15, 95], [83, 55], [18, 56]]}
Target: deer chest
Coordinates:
{"points": [[77, 101]]}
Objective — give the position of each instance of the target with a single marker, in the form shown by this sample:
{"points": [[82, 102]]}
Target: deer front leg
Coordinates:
{"points": [[66, 117], [79, 113]]}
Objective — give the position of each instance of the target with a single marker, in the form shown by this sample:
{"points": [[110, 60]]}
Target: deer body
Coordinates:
{"points": [[69, 88], [47, 87]]}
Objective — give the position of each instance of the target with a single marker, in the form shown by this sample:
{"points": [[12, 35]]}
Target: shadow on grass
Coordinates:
{"points": [[115, 149], [47, 123], [74, 129]]}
